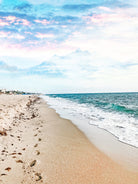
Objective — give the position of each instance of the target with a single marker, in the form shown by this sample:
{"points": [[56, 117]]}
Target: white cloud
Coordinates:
{"points": [[100, 58], [112, 37], [83, 72]]}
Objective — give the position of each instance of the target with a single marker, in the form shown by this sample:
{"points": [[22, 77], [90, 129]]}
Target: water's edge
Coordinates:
{"points": [[109, 144], [120, 125]]}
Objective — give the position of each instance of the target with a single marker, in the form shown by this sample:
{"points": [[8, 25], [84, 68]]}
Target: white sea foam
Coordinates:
{"points": [[125, 128]]}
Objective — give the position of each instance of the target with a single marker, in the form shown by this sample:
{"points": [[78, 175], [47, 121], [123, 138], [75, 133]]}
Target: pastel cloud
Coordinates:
{"points": [[106, 18], [9, 20], [39, 52], [22, 22], [10, 36], [3, 23], [63, 41], [6, 67], [40, 35], [50, 70], [111, 16], [92, 76], [44, 21]]}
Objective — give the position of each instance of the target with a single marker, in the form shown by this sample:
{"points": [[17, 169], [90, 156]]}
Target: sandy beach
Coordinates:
{"points": [[38, 146]]}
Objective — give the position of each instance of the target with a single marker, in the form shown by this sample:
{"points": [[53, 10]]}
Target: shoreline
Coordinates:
{"points": [[42, 147], [111, 146], [112, 119], [127, 144], [98, 128]]}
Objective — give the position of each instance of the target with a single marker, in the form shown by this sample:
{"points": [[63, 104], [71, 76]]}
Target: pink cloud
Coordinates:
{"points": [[3, 23], [76, 34], [34, 51], [44, 21], [10, 35], [3, 34], [22, 22], [11, 19], [105, 9], [41, 35], [19, 37], [106, 18], [25, 22], [27, 32], [6, 21], [64, 26]]}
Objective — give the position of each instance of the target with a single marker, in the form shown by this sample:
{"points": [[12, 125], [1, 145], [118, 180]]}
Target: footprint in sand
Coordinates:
{"points": [[38, 176], [3, 174], [13, 153], [35, 145], [39, 139], [33, 163], [37, 152], [19, 153], [8, 169], [19, 161]]}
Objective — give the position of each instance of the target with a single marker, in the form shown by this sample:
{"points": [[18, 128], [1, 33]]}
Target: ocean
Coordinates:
{"points": [[116, 113]]}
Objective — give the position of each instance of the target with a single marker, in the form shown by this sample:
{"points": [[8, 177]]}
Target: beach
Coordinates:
{"points": [[38, 146]]}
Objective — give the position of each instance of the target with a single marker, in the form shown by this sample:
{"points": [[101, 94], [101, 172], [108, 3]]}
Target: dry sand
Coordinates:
{"points": [[37, 146]]}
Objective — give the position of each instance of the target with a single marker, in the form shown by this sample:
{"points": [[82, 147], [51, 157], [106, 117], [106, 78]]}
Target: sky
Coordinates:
{"points": [[69, 46]]}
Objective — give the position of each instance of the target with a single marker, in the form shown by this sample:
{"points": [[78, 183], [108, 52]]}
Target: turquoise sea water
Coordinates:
{"points": [[114, 112]]}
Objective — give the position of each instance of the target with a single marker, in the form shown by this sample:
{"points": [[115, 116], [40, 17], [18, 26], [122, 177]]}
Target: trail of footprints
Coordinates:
{"points": [[17, 155]]}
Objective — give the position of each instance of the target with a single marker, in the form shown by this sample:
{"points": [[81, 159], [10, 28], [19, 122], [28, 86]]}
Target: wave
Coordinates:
{"points": [[124, 127], [118, 108]]}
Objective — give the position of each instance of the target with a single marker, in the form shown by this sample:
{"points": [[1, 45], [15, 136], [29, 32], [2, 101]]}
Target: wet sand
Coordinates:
{"points": [[41, 147], [120, 152]]}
